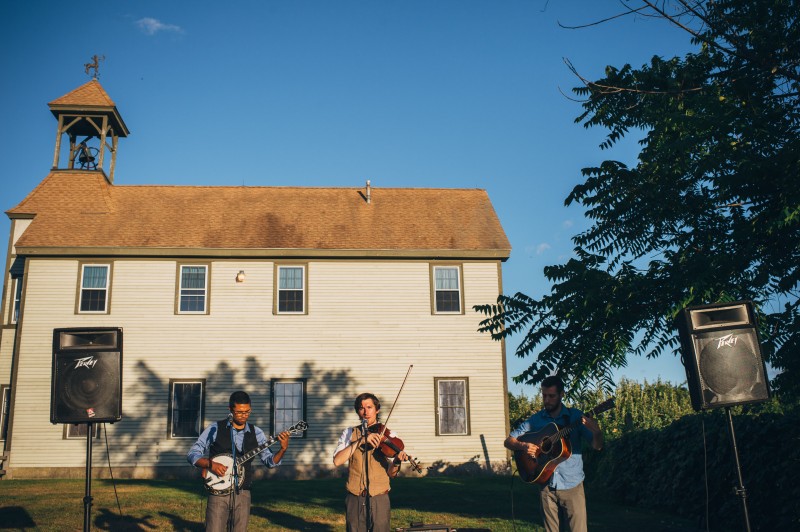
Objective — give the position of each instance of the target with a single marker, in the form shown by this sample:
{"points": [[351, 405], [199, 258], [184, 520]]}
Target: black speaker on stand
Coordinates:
{"points": [[724, 367], [86, 386], [722, 355]]}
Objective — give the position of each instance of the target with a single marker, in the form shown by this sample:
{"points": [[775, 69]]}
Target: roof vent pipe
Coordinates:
{"points": [[369, 193]]}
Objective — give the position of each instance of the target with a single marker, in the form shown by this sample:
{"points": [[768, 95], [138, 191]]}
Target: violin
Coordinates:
{"points": [[391, 446]]}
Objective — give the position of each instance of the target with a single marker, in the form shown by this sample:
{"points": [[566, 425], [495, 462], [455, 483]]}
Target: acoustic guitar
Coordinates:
{"points": [[223, 485], [554, 447]]}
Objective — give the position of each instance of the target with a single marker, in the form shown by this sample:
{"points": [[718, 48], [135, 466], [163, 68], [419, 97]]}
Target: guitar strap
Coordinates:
{"points": [[566, 415]]}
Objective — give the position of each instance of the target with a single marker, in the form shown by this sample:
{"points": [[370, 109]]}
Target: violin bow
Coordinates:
{"points": [[386, 424]]}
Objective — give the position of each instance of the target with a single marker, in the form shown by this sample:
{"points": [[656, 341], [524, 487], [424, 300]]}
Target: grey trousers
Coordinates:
{"points": [[356, 513], [572, 503], [218, 510]]}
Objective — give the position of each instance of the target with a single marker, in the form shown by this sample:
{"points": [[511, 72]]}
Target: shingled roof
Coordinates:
{"points": [[89, 98], [90, 93], [79, 213]]}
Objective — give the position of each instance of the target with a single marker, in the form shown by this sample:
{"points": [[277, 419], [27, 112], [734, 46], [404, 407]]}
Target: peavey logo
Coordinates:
{"points": [[727, 341], [86, 362]]}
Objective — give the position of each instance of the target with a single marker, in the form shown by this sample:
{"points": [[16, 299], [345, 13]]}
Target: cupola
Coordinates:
{"points": [[90, 121]]}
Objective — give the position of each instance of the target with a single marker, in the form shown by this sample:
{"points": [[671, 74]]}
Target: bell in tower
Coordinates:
{"points": [[90, 121]]}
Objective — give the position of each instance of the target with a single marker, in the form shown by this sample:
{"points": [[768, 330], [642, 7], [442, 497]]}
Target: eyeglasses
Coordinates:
{"points": [[240, 412]]}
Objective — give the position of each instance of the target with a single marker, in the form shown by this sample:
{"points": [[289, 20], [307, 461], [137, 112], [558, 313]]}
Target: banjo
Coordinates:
{"points": [[222, 485]]}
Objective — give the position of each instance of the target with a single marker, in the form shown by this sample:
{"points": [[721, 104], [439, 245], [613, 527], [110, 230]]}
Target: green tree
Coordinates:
{"points": [[709, 213], [520, 407]]}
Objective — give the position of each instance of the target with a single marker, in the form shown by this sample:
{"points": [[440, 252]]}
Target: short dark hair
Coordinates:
{"points": [[553, 380], [239, 398], [362, 396]]}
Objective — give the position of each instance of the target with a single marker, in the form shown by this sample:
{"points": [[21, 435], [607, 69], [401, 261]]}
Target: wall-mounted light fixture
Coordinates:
{"points": [[240, 277]]}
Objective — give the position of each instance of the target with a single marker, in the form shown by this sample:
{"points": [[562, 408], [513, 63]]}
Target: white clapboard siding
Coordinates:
{"points": [[367, 322]]}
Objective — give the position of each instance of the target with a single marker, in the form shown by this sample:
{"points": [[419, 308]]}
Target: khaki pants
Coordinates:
{"points": [[571, 502]]}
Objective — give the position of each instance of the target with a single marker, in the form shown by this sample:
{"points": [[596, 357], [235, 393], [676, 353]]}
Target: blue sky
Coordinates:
{"points": [[415, 93]]}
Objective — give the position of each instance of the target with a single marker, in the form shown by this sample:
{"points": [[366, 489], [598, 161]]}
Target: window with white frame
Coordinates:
{"points": [[186, 401], [291, 289], [193, 291], [5, 397], [17, 299], [94, 288], [77, 431], [288, 404], [452, 412], [447, 289]]}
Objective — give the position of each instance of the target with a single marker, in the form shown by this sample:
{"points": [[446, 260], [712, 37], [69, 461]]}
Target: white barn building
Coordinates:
{"points": [[303, 297]]}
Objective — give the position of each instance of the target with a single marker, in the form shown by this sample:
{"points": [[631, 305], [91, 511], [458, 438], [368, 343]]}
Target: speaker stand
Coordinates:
{"points": [[87, 499], [739, 490]]}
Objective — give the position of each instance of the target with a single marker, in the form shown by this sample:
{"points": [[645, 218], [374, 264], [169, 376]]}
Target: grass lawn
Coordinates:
{"points": [[317, 505]]}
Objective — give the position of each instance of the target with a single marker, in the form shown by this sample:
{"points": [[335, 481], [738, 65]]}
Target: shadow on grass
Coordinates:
{"points": [[471, 498], [286, 521], [499, 503], [105, 519], [15, 517]]}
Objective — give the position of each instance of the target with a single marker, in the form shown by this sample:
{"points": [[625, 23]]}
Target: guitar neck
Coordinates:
{"points": [[253, 452], [297, 428], [591, 413]]}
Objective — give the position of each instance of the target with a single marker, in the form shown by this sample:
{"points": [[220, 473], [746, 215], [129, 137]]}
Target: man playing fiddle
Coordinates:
{"points": [[368, 471]]}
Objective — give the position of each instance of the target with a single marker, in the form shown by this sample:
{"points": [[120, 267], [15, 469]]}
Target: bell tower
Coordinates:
{"points": [[93, 126]]}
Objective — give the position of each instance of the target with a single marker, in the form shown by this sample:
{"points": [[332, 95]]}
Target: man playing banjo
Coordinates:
{"points": [[228, 505]]}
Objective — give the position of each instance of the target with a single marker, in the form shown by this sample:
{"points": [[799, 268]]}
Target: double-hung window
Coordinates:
{"points": [[5, 399], [77, 431], [94, 288], [291, 289], [447, 289], [288, 403], [193, 289], [186, 400], [452, 412], [17, 299]]}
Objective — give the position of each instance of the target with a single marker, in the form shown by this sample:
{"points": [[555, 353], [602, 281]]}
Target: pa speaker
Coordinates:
{"points": [[722, 355], [86, 384]]}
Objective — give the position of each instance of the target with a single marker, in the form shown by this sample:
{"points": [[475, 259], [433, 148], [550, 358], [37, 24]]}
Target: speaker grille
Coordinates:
{"points": [[730, 368], [88, 387]]}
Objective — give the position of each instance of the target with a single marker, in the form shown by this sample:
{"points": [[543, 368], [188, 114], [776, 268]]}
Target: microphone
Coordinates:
{"points": [[364, 427], [230, 416]]}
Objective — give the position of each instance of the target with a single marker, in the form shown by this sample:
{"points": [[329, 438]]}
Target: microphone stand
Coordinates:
{"points": [[235, 491], [367, 497]]}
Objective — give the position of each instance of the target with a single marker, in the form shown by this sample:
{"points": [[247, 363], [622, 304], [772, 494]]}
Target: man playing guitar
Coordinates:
{"points": [[565, 487], [231, 511]]}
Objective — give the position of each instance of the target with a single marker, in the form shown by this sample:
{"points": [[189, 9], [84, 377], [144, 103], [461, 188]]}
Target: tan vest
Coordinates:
{"points": [[378, 477]]}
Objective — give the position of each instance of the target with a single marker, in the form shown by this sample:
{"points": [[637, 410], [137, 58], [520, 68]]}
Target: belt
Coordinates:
{"points": [[364, 493]]}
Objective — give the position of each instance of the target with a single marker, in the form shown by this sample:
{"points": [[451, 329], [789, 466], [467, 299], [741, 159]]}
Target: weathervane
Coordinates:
{"points": [[95, 65]]}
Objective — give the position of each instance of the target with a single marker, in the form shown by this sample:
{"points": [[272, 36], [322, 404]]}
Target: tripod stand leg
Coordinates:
{"points": [[87, 499], [739, 490]]}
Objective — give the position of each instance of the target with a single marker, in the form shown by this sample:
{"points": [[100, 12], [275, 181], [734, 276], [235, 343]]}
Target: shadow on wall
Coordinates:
{"points": [[140, 441]]}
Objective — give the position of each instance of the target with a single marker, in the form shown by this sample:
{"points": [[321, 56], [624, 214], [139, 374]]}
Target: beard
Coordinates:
{"points": [[552, 407]]}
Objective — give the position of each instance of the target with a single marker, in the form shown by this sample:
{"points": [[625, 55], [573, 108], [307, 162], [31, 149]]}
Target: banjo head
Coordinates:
{"points": [[223, 485]]}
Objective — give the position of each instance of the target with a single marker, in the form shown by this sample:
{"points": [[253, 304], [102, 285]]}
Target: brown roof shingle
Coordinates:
{"points": [[90, 93], [79, 212]]}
